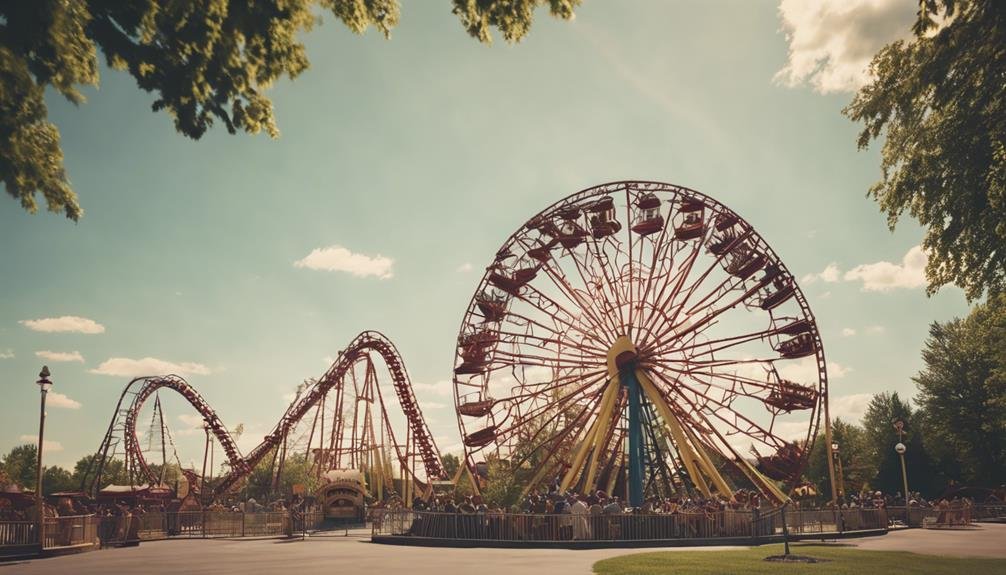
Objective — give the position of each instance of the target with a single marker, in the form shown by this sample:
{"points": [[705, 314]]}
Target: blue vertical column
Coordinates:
{"points": [[627, 375]]}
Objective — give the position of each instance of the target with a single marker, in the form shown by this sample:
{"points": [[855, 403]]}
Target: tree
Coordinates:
{"points": [[503, 483], [113, 473], [962, 389], [858, 471], [939, 101], [206, 61], [878, 425], [20, 463], [451, 464], [56, 479]]}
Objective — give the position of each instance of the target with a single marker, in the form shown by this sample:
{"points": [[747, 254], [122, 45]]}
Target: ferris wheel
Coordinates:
{"points": [[640, 338]]}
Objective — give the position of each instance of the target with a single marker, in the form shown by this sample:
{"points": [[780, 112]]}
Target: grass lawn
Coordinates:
{"points": [[841, 559]]}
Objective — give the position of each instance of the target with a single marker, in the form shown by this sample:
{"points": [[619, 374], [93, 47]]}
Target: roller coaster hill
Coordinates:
{"points": [[348, 425]]}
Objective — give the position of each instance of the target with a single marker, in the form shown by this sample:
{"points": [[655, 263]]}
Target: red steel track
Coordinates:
{"points": [[140, 389]]}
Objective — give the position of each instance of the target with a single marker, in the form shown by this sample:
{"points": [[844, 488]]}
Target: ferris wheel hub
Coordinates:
{"points": [[622, 353]]}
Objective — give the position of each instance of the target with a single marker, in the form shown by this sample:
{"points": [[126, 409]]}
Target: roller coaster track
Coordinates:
{"points": [[122, 428]]}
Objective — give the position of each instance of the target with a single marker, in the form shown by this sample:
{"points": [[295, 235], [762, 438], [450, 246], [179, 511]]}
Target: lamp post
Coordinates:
{"points": [[900, 448], [43, 384], [839, 477]]}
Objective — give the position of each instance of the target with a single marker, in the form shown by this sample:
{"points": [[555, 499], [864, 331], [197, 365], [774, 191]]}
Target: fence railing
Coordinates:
{"points": [[59, 532], [206, 524], [952, 516], [631, 527], [135, 527]]}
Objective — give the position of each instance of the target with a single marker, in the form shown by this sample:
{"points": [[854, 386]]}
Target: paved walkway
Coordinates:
{"points": [[353, 554], [986, 540]]}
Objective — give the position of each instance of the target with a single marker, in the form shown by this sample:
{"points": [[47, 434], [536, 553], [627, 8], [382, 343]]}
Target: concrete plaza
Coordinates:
{"points": [[353, 553]]}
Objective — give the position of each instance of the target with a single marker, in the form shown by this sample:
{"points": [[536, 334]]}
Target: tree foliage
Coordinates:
{"points": [[857, 470], [19, 465], [939, 100], [205, 61], [962, 390]]}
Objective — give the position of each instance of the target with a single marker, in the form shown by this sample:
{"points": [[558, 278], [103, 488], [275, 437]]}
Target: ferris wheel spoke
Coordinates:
{"points": [[660, 254], [557, 404], [559, 280], [752, 427], [568, 319], [662, 302], [574, 427], [732, 377], [598, 282], [709, 347], [563, 334], [716, 262], [707, 318]]}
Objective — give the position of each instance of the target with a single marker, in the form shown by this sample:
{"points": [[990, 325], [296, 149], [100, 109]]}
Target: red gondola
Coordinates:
{"points": [[744, 262], [788, 396], [725, 221], [649, 219], [571, 234], [478, 408], [722, 243], [511, 283], [784, 465], [492, 307], [481, 437], [782, 289], [602, 219], [693, 225], [796, 327], [797, 347]]}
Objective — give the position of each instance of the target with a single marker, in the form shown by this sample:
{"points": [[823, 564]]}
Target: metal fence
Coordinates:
{"points": [[19, 537], [207, 524], [952, 516], [60, 532], [623, 527]]}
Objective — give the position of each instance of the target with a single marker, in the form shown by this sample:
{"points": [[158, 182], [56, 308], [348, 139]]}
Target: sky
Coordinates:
{"points": [[245, 263]]}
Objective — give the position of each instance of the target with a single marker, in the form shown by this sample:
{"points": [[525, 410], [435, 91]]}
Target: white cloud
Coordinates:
{"points": [[340, 259], [875, 329], [328, 360], [465, 267], [442, 388], [849, 407], [831, 42], [7, 354], [60, 355], [56, 399], [191, 420], [829, 274], [825, 295], [48, 446], [64, 324], [791, 430], [432, 404], [886, 276], [837, 370], [848, 332], [125, 367], [193, 425], [805, 370]]}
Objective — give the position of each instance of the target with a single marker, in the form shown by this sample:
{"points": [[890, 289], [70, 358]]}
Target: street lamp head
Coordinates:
{"points": [[43, 379], [900, 448], [834, 447]]}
